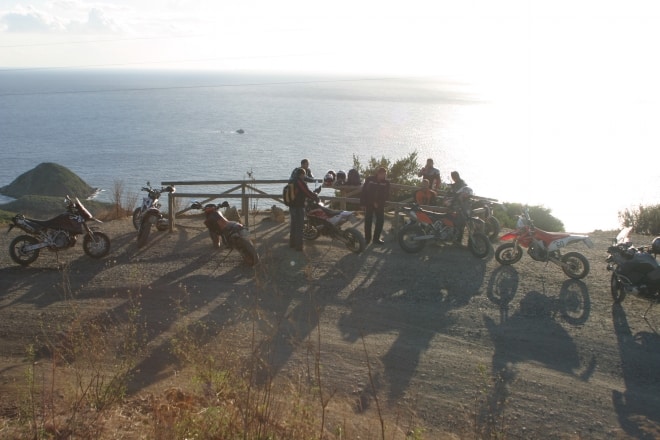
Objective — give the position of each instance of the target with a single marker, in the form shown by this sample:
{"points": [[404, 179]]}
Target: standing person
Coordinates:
{"points": [[297, 209], [304, 164], [375, 192], [431, 174], [458, 182]]}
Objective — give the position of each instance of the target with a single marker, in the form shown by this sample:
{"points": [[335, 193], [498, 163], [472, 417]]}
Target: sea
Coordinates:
{"points": [[133, 127]]}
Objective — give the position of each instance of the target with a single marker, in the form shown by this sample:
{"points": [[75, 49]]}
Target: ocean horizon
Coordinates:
{"points": [[139, 126]]}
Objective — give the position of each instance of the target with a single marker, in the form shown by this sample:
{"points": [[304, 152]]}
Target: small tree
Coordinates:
{"points": [[402, 171], [644, 220], [542, 217], [117, 194]]}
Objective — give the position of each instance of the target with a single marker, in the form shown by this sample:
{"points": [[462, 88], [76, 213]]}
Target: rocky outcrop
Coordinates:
{"points": [[48, 179]]}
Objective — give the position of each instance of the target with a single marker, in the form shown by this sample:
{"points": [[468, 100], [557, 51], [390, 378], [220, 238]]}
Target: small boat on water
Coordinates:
{"points": [[240, 131]]}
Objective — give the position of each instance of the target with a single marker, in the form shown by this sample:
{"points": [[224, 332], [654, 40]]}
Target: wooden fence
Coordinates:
{"points": [[246, 190]]}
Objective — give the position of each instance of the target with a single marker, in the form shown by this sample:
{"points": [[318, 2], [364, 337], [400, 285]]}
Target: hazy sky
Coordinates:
{"points": [[448, 37], [571, 76]]}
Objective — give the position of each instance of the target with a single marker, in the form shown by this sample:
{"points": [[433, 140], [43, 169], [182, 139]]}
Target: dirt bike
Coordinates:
{"points": [[151, 201], [149, 214], [233, 234], [484, 210], [443, 227], [321, 220], [543, 246], [56, 234], [635, 270]]}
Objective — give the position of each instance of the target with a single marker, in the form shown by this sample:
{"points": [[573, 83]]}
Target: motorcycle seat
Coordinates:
{"points": [[328, 211], [550, 236], [61, 221]]}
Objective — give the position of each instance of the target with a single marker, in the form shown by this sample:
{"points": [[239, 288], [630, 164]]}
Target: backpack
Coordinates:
{"points": [[289, 193]]}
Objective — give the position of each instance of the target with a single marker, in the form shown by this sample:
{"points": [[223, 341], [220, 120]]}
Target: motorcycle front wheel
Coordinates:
{"points": [[492, 228], [508, 253], [310, 232], [354, 240], [247, 250], [576, 265], [136, 218], [407, 235], [479, 245], [617, 289], [96, 245], [16, 250]]}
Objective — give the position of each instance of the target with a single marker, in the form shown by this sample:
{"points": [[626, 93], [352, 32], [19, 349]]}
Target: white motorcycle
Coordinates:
{"points": [[149, 202]]}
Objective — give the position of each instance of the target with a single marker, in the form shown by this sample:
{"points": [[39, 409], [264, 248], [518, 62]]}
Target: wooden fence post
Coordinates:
{"points": [[170, 208], [245, 204]]}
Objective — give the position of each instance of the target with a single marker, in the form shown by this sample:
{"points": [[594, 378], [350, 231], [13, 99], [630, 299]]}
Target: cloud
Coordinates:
{"points": [[32, 20], [29, 21], [97, 22]]}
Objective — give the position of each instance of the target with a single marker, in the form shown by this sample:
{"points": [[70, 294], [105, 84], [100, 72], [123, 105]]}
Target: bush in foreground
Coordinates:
{"points": [[644, 220]]}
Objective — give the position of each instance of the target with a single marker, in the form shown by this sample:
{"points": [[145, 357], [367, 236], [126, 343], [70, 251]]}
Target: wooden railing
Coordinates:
{"points": [[246, 190]]}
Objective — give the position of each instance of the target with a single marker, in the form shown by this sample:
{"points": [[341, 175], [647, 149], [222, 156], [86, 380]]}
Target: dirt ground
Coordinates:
{"points": [[461, 345]]}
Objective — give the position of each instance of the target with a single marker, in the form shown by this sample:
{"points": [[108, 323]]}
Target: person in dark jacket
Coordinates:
{"points": [[304, 164], [458, 182], [375, 192], [297, 209]]}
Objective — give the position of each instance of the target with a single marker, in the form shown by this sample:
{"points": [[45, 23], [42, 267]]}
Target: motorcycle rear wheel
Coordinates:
{"points": [[492, 228], [143, 233], [577, 265], [16, 253], [354, 240], [617, 289], [96, 246], [137, 217], [310, 232], [508, 253], [247, 250], [406, 238], [479, 245]]}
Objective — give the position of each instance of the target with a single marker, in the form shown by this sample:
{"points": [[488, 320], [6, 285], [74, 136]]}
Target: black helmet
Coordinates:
{"points": [[655, 245]]}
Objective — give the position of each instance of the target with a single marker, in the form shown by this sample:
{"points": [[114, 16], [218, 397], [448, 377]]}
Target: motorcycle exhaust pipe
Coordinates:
{"points": [[423, 237]]}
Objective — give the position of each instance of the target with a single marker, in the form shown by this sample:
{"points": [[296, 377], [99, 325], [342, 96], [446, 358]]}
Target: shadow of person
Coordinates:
{"points": [[416, 313], [292, 317], [530, 334], [638, 407]]}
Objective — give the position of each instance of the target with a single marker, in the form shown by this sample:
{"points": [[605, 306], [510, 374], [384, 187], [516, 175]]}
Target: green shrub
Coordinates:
{"points": [[508, 216], [644, 220], [402, 171]]}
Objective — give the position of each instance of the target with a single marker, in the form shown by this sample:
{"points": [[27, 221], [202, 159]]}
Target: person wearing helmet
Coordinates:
{"points": [[297, 209], [329, 179], [341, 178]]}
